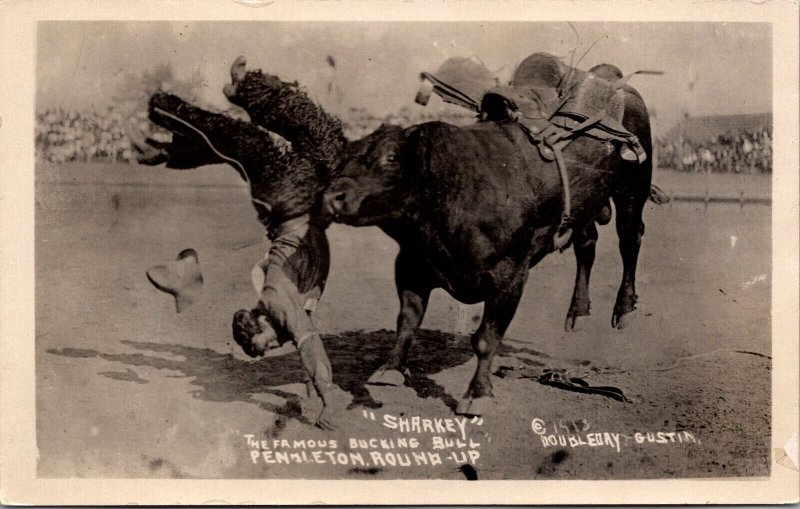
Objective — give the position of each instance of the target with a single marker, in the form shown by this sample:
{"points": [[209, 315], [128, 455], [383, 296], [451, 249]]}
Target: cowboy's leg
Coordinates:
{"points": [[202, 137], [285, 109]]}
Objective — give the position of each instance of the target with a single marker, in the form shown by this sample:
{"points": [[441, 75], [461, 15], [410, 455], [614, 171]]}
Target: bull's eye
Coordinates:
{"points": [[391, 158]]}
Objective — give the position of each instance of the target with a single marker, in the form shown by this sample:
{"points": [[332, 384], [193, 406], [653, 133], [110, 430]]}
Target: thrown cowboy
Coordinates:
{"points": [[283, 313], [284, 186]]}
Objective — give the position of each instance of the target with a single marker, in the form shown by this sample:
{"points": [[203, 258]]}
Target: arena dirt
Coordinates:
{"points": [[128, 388]]}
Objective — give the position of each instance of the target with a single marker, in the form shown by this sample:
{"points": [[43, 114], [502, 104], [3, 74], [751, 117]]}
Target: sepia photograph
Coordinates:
{"points": [[419, 250]]}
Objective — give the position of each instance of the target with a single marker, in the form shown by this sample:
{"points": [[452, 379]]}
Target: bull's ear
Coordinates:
{"points": [[414, 145], [414, 134], [388, 128]]}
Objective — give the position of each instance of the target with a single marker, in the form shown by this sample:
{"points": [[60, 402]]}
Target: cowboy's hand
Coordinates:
{"points": [[327, 418], [334, 402]]}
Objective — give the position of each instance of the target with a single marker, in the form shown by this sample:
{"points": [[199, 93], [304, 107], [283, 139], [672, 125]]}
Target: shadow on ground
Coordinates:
{"points": [[354, 357]]}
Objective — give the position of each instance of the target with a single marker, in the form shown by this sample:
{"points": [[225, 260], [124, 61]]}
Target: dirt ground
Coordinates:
{"points": [[128, 388]]}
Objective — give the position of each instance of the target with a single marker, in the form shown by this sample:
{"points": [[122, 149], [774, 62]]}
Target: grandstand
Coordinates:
{"points": [[102, 136], [702, 129]]}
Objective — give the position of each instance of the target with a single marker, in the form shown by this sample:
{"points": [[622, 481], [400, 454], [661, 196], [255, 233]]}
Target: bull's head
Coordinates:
{"points": [[375, 178]]}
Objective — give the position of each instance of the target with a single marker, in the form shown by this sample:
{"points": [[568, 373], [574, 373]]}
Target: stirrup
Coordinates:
{"points": [[563, 236]]}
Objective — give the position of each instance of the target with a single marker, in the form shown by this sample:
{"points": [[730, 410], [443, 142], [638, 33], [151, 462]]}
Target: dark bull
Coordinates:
{"points": [[474, 208]]}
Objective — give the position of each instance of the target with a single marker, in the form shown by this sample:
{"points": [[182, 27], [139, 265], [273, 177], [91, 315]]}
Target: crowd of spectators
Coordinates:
{"points": [[101, 136], [67, 135], [359, 122], [748, 151], [94, 136]]}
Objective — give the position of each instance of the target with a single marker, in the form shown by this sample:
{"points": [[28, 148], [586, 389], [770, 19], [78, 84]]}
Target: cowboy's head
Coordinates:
{"points": [[253, 332]]}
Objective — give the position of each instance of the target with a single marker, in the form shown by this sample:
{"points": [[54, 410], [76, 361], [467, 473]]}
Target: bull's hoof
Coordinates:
{"points": [[475, 407], [575, 323], [622, 321], [387, 377]]}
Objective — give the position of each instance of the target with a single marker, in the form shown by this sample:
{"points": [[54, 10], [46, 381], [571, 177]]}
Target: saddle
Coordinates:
{"points": [[544, 95], [554, 104]]}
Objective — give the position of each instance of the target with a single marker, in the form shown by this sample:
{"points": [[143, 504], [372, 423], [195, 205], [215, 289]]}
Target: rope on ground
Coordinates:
{"points": [[712, 353]]}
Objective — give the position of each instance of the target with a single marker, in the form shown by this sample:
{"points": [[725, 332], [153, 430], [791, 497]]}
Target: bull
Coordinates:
{"points": [[474, 208]]}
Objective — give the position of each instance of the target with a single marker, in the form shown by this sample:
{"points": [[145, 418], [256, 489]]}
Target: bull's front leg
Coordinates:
{"points": [[584, 244], [414, 286], [499, 309]]}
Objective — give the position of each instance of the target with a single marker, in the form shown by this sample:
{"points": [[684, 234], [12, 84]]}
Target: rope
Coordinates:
{"points": [[712, 353], [562, 170], [564, 233]]}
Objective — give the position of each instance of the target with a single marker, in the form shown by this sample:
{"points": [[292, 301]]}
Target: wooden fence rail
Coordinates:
{"points": [[707, 199]]}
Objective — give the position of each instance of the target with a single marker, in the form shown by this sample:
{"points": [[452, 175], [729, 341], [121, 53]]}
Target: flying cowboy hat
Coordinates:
{"points": [[182, 279]]}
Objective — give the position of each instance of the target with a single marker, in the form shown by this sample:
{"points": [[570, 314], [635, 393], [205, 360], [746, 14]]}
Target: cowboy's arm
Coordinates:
{"points": [[284, 312], [316, 363], [281, 302]]}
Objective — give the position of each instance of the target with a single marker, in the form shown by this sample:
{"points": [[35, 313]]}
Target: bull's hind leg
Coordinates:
{"points": [[584, 244], [498, 312], [630, 229], [414, 286], [630, 196]]}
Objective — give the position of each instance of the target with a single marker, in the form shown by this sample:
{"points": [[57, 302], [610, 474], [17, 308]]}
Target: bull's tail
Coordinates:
{"points": [[658, 196]]}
